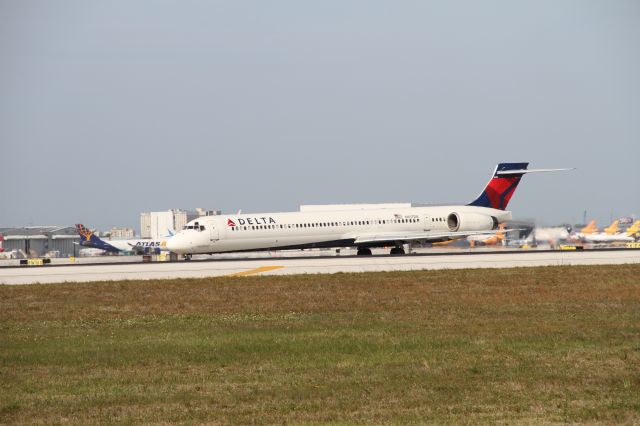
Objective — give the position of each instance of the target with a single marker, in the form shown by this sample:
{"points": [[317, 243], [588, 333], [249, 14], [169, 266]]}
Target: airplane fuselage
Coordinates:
{"points": [[129, 246], [342, 228], [602, 238]]}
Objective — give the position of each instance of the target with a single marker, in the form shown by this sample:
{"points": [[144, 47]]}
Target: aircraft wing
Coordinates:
{"points": [[427, 236]]}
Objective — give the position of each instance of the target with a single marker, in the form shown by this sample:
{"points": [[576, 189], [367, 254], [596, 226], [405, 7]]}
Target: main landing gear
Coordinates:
{"points": [[397, 251], [363, 251]]}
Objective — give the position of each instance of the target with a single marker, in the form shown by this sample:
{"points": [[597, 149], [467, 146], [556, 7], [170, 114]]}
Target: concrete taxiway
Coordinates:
{"points": [[308, 265]]}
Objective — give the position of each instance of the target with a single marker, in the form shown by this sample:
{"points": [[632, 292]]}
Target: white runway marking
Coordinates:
{"points": [[283, 266]]}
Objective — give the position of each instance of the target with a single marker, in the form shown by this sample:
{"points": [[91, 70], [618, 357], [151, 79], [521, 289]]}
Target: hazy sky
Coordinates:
{"points": [[108, 109]]}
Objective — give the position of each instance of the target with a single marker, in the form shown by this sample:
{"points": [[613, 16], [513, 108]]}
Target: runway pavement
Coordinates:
{"points": [[308, 265]]}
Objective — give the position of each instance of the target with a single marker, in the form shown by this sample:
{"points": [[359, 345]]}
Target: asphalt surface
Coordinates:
{"points": [[137, 270]]}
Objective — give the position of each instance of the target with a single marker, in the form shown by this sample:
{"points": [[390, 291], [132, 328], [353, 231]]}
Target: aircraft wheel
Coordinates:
{"points": [[364, 251], [397, 251], [187, 257]]}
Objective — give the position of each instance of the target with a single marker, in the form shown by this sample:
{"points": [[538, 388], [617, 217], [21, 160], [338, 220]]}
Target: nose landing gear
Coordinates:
{"points": [[187, 257]]}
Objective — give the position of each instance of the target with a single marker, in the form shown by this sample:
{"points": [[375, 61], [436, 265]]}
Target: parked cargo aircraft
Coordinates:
{"points": [[139, 246], [590, 228], [611, 235], [488, 240], [634, 230], [491, 239], [366, 228], [612, 229]]}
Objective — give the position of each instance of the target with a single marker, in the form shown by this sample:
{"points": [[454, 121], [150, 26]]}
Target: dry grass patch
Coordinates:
{"points": [[557, 344]]}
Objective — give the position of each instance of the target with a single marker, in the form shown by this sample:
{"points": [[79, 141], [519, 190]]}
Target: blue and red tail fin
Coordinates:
{"points": [[503, 184], [89, 239], [501, 187]]}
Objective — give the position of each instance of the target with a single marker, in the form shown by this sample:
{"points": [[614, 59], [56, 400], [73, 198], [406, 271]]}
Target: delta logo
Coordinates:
{"points": [[251, 221]]}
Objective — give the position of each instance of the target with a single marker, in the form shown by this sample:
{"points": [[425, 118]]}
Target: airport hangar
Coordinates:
{"points": [[33, 241]]}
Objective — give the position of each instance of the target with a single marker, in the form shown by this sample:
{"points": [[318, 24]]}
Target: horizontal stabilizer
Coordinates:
{"points": [[503, 184], [523, 171]]}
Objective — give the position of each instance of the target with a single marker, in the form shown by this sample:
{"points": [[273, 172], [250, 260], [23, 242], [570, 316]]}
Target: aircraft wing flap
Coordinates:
{"points": [[418, 236]]}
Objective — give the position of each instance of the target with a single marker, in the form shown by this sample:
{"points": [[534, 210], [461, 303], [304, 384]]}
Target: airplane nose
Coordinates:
{"points": [[174, 245]]}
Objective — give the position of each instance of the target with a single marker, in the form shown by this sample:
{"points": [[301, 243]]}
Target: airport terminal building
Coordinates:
{"points": [[161, 224]]}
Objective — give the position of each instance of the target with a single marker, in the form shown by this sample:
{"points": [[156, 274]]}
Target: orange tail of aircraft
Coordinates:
{"points": [[500, 234], [612, 229], [590, 228], [491, 240]]}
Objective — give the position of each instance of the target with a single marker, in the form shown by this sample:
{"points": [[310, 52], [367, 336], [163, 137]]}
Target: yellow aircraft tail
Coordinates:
{"points": [[590, 228], [612, 229], [634, 229]]}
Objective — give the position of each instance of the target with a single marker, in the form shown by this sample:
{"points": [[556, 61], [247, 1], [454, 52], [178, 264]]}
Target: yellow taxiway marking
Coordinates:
{"points": [[255, 271]]}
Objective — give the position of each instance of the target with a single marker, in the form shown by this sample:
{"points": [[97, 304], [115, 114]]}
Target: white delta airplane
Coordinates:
{"points": [[363, 229]]}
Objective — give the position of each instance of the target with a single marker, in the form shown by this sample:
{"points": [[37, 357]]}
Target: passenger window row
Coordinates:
{"points": [[323, 224]]}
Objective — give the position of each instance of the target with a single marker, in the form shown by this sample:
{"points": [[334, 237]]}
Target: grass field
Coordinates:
{"points": [[555, 344]]}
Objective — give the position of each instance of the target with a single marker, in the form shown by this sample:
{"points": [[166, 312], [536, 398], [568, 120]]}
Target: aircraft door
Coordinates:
{"points": [[427, 223], [213, 232]]}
